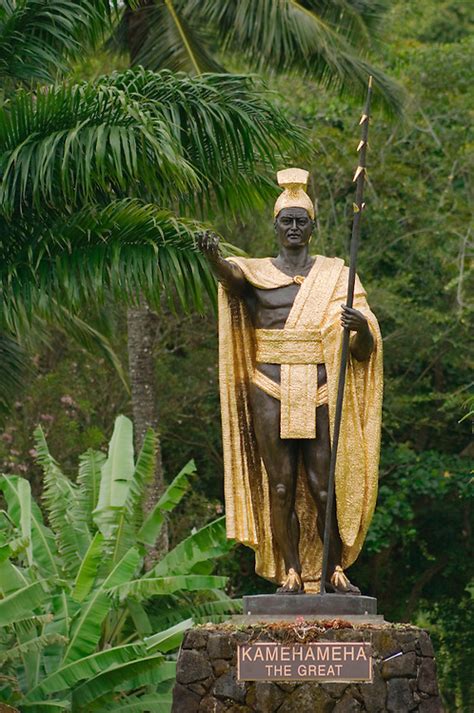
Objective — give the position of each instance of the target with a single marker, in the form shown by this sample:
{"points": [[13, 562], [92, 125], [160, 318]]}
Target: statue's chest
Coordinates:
{"points": [[278, 298]]}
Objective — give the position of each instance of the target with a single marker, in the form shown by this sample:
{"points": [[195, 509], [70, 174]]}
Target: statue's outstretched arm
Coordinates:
{"points": [[229, 274]]}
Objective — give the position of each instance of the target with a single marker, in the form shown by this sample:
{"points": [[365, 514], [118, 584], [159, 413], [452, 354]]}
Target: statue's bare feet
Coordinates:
{"points": [[341, 584], [293, 584]]}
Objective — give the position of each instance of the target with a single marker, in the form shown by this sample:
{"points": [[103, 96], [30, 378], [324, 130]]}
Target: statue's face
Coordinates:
{"points": [[293, 227]]}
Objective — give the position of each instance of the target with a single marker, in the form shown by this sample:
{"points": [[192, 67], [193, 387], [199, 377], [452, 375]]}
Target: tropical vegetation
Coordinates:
{"points": [[65, 224], [74, 632]]}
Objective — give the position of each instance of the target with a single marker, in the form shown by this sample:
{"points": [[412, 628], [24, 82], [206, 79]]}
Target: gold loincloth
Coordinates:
{"points": [[299, 351]]}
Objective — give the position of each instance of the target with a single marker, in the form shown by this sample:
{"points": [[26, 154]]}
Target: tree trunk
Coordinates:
{"points": [[142, 328]]}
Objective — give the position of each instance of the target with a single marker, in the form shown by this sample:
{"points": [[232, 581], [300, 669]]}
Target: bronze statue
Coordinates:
{"points": [[280, 329]]}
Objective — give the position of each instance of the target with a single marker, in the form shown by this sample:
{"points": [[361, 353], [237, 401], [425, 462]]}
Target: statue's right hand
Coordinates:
{"points": [[208, 244]]}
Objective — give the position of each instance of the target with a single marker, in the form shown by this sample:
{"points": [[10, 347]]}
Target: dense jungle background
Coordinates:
{"points": [[416, 248]]}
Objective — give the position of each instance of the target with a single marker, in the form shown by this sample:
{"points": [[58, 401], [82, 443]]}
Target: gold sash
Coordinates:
{"points": [[299, 349]]}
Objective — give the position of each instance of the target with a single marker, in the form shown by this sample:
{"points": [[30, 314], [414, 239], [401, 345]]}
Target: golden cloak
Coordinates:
{"points": [[317, 306]]}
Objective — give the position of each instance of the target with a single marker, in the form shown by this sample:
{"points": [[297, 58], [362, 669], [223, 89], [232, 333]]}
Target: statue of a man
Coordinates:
{"points": [[280, 333]]}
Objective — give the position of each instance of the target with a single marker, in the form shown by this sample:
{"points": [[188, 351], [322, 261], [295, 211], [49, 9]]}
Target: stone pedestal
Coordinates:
{"points": [[309, 605], [403, 665]]}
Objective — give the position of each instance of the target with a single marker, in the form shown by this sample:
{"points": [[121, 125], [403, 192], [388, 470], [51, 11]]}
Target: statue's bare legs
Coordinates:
{"points": [[281, 463], [280, 457]]}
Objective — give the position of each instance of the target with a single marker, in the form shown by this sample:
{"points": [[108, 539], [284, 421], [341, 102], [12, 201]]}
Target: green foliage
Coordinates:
{"points": [[81, 164], [32, 46], [328, 41], [451, 624], [72, 625]]}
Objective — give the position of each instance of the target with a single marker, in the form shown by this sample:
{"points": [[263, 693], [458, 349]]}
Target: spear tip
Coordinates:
{"points": [[360, 169]]}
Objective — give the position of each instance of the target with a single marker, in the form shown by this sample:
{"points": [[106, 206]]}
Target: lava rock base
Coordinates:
{"points": [[206, 680]]}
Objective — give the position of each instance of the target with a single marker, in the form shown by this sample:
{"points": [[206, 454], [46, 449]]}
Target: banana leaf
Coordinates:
{"points": [[117, 475], [158, 678], [143, 704], [64, 608], [24, 497], [11, 578], [86, 629], [173, 495], [60, 497], [88, 481], [67, 676], [149, 587], [37, 644], [206, 544], [168, 639], [107, 681], [45, 706], [43, 543], [22, 602], [142, 476], [207, 611], [139, 617], [88, 570]]}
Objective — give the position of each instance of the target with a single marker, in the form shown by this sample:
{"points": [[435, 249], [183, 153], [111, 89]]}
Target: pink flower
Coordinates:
{"points": [[7, 437], [67, 400]]}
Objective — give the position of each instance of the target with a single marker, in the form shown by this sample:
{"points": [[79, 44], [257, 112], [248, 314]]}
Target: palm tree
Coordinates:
{"points": [[89, 172]]}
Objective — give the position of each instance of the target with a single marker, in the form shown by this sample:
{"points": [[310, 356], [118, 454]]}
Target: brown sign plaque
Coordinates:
{"points": [[322, 661]]}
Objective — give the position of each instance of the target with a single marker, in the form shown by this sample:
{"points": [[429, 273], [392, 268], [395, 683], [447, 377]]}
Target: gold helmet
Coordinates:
{"points": [[294, 182]]}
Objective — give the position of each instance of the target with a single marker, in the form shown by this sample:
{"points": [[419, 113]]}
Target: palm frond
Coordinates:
{"points": [[163, 35], [39, 37], [76, 141], [89, 337], [227, 127], [326, 40], [122, 249]]}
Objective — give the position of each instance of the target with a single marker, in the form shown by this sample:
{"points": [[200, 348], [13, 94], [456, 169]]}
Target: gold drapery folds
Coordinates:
{"points": [[316, 309]]}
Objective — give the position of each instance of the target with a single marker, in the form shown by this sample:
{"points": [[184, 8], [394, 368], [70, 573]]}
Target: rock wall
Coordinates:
{"points": [[206, 680]]}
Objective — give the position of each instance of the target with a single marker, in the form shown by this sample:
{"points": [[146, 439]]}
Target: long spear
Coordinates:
{"points": [[358, 206]]}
